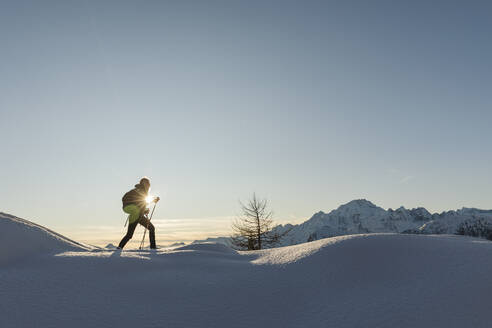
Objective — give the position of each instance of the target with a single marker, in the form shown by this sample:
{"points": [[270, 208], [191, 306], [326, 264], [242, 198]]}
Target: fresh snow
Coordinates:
{"points": [[366, 280]]}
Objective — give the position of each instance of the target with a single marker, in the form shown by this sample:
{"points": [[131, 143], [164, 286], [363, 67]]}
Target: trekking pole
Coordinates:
{"points": [[147, 227]]}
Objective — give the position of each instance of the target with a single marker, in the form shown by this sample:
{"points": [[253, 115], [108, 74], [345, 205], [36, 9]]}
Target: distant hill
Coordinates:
{"points": [[220, 240]]}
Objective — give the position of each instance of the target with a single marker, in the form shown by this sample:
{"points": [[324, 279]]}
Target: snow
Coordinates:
{"points": [[448, 222], [366, 280], [21, 239], [355, 217], [362, 216]]}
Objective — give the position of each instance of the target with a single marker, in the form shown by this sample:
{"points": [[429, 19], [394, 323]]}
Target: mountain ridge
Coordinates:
{"points": [[363, 216]]}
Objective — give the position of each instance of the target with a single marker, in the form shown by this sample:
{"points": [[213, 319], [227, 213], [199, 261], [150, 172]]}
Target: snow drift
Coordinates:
{"points": [[368, 280], [20, 239]]}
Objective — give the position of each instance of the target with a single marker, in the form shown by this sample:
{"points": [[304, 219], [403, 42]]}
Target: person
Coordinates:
{"points": [[135, 205]]}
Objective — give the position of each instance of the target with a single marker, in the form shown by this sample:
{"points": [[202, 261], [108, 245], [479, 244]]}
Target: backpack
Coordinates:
{"points": [[128, 198]]}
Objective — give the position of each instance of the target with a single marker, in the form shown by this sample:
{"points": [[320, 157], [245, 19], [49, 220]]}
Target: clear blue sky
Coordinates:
{"points": [[309, 103]]}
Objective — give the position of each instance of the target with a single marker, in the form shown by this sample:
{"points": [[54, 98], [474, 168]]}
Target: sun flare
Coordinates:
{"points": [[149, 199]]}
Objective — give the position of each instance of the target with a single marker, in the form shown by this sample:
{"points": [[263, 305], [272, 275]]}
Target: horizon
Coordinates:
{"points": [[310, 105], [197, 234], [187, 238]]}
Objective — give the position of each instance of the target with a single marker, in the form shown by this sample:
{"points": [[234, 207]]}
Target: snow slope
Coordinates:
{"points": [[366, 280], [21, 239]]}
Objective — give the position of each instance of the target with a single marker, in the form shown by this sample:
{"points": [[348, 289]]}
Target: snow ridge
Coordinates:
{"points": [[22, 238]]}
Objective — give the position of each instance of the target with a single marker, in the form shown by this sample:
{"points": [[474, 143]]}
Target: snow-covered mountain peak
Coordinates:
{"points": [[359, 207], [354, 217], [473, 211], [358, 204], [421, 211]]}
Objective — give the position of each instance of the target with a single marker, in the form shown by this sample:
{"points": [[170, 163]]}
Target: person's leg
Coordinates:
{"points": [[147, 224], [129, 234], [132, 223]]}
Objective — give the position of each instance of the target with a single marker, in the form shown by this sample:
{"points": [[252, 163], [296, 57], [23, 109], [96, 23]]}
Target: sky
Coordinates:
{"points": [[310, 104]]}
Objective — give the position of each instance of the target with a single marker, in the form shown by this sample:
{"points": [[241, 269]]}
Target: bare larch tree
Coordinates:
{"points": [[253, 228]]}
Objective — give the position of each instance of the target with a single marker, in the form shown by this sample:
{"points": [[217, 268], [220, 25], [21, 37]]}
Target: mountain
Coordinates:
{"points": [[355, 217], [177, 244], [362, 216], [449, 222]]}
